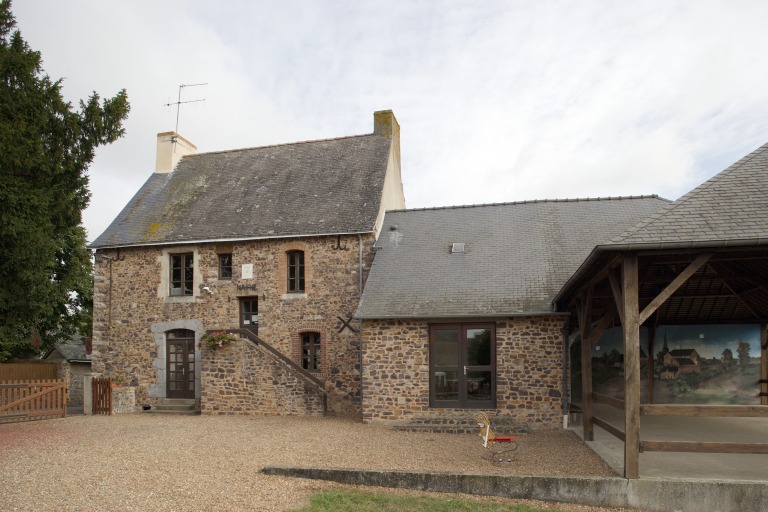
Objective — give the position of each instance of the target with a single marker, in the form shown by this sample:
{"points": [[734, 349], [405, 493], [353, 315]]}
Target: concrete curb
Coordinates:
{"points": [[646, 494]]}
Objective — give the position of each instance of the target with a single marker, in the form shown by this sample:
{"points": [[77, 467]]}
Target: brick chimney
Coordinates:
{"points": [[170, 148]]}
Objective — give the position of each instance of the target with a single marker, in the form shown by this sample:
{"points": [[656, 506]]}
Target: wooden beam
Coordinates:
{"points": [[703, 447], [763, 365], [722, 272], [672, 287], [610, 428], [617, 296], [616, 403], [585, 327], [602, 325], [651, 359], [631, 323], [721, 411]]}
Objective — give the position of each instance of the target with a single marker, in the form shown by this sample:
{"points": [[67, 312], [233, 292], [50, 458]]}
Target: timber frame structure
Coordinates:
{"points": [[701, 260]]}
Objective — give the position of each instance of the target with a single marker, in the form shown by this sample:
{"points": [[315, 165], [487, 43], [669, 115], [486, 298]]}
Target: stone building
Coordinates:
{"points": [[72, 364], [458, 315], [275, 240]]}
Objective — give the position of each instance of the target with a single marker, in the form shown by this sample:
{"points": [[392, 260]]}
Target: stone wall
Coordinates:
{"points": [[230, 374], [132, 307], [529, 366]]}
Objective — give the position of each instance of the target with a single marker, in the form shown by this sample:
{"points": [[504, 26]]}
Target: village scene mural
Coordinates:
{"points": [[693, 364]]}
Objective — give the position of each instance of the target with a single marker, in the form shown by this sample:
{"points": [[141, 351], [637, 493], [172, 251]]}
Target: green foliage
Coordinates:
{"points": [[45, 150], [727, 358], [742, 352], [352, 500]]}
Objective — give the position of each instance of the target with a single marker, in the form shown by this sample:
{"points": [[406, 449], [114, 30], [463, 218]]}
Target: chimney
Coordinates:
{"points": [[384, 123], [170, 148]]}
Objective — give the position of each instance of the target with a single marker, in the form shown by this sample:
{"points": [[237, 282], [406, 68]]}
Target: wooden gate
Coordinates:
{"points": [[32, 400], [102, 395]]}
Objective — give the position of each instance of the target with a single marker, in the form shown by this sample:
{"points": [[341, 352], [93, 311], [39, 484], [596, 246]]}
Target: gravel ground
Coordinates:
{"points": [[178, 463]]}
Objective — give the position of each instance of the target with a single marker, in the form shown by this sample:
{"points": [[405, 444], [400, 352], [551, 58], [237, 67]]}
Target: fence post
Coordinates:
{"points": [[88, 393]]}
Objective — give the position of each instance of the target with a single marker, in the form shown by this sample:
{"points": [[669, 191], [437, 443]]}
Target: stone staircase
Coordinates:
{"points": [[460, 425], [175, 406]]}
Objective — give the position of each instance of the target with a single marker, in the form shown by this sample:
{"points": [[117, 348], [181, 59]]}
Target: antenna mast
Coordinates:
{"points": [[179, 102]]}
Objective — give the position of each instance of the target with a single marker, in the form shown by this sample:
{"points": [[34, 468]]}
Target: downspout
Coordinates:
{"points": [[566, 365], [360, 324]]}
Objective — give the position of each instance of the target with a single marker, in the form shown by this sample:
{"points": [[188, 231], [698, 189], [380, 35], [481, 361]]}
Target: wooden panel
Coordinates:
{"points": [[609, 428], [102, 395], [702, 447], [723, 411], [19, 372]]}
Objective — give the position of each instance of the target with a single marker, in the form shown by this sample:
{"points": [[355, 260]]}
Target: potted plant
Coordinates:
{"points": [[217, 339]]}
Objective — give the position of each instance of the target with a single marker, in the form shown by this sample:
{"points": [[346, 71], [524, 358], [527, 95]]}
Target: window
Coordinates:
{"points": [[310, 351], [225, 266], [182, 271], [462, 360], [249, 314], [296, 272]]}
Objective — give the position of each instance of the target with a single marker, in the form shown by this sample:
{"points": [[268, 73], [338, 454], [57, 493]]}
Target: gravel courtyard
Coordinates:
{"points": [[154, 462]]}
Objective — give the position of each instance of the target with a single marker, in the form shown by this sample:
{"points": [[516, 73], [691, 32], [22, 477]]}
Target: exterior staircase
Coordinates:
{"points": [[175, 406]]}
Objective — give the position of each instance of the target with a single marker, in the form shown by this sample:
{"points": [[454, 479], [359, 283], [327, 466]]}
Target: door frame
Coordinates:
{"points": [[463, 401]]}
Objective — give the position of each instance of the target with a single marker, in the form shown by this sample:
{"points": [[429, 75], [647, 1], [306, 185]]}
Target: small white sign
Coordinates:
{"points": [[248, 271]]}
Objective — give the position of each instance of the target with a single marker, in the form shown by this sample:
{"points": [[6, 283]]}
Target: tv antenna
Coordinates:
{"points": [[179, 102]]}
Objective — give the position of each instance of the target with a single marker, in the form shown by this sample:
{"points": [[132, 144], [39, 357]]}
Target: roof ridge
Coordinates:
{"points": [[680, 201], [280, 144], [533, 201]]}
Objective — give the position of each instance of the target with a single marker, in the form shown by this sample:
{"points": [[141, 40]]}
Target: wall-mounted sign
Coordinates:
{"points": [[244, 287], [248, 271]]}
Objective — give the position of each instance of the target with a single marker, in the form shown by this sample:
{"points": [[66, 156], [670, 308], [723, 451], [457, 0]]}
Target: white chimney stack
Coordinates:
{"points": [[170, 148]]}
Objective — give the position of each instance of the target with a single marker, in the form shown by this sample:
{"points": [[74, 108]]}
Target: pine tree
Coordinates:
{"points": [[45, 149]]}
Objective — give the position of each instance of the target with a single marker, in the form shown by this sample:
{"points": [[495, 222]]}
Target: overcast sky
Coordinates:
{"points": [[497, 101]]}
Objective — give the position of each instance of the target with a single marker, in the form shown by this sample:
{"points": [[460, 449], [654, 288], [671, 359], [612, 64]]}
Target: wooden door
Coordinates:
{"points": [[180, 366]]}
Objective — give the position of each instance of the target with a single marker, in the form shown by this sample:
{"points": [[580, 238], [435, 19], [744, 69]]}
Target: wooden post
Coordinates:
{"points": [[631, 367], [651, 361], [764, 365], [585, 329]]}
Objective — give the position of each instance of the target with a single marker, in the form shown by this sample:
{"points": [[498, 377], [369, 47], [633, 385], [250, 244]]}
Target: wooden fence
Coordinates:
{"points": [[27, 371], [32, 400], [102, 395]]}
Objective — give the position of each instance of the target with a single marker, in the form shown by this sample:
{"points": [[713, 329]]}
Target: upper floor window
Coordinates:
{"points": [[182, 271], [225, 266], [310, 351], [296, 272]]}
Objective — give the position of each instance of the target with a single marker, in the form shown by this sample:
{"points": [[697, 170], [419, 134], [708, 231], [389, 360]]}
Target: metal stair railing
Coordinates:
{"points": [[276, 354]]}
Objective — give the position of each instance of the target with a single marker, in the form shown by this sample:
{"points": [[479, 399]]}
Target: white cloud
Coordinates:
{"points": [[498, 101]]}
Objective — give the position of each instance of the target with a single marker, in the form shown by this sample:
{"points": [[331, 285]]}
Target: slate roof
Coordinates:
{"points": [[306, 188], [517, 255], [70, 351], [730, 206]]}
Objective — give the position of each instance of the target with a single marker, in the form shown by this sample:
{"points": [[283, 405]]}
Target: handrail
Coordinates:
{"points": [[301, 372]]}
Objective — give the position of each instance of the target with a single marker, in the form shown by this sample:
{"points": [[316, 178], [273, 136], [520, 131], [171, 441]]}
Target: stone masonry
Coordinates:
{"points": [[529, 366], [133, 310]]}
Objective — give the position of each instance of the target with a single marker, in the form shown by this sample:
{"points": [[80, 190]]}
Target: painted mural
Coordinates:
{"points": [[704, 364]]}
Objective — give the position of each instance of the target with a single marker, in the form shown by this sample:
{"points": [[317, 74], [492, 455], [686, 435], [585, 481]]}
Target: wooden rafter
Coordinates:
{"points": [[672, 287], [722, 273]]}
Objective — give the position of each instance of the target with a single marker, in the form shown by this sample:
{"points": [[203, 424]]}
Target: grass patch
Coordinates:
{"points": [[351, 500]]}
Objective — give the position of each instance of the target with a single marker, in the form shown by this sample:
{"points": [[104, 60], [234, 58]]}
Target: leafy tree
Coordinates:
{"points": [[742, 352], [45, 149], [727, 358]]}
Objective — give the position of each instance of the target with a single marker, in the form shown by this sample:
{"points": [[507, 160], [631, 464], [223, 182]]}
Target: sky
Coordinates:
{"points": [[498, 101]]}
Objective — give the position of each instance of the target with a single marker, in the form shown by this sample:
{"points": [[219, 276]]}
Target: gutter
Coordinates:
{"points": [[466, 315], [224, 240], [655, 246]]}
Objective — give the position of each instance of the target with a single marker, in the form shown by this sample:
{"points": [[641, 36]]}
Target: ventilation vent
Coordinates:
{"points": [[457, 247]]}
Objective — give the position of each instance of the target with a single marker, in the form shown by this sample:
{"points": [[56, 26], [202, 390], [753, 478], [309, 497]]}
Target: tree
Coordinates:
{"points": [[727, 358], [742, 352], [45, 149]]}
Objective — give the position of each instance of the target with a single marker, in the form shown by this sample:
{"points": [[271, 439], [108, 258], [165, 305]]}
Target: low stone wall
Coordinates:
{"points": [[241, 379], [123, 400]]}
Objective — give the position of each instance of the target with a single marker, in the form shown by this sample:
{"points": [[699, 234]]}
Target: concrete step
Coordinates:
{"points": [[175, 406]]}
